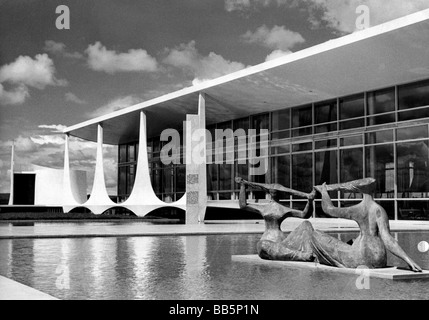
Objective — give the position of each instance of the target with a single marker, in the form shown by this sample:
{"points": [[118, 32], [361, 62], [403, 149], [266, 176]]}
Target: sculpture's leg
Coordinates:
{"points": [[270, 250], [301, 238], [331, 251]]}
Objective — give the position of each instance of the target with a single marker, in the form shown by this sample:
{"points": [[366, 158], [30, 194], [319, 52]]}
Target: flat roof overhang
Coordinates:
{"points": [[392, 53]]}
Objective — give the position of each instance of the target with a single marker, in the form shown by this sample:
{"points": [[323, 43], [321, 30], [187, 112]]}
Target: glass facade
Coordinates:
{"points": [[382, 134]]}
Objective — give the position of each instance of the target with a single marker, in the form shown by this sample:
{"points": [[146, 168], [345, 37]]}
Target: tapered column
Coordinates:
{"points": [[196, 177], [12, 171], [142, 193], [99, 200], [68, 201]]}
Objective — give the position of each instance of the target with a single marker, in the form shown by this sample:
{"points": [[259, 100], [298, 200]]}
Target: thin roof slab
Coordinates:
{"points": [[392, 53]]}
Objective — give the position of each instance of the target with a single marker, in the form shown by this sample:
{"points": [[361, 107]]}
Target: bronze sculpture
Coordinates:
{"points": [[274, 245], [369, 248], [306, 244]]}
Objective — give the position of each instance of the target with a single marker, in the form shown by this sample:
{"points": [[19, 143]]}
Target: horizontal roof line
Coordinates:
{"points": [[314, 50]]}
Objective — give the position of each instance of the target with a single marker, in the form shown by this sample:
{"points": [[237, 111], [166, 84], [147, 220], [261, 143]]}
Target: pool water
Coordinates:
{"points": [[187, 267]]}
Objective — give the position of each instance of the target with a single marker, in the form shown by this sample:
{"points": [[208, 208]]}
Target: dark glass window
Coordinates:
{"points": [[379, 137], [351, 168], [381, 101], [379, 162], [167, 181], [325, 112], [260, 122], [302, 170], [149, 150], [180, 178], [280, 135], [352, 107], [137, 151], [326, 167], [351, 141], [280, 120], [413, 171], [389, 207], [413, 210], [325, 144], [122, 153], [131, 153], [302, 132], [212, 180], [157, 181], [413, 96], [130, 178], [280, 168], [122, 183], [242, 123], [302, 147], [409, 133], [280, 149], [350, 124], [302, 117], [225, 177]]}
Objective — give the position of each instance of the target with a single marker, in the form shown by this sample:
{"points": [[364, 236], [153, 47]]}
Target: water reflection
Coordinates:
{"points": [[187, 267]]}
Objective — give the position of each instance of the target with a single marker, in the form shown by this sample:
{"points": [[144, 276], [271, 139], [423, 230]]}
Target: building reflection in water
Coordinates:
{"points": [[195, 278], [22, 261], [140, 267], [103, 261], [6, 258]]}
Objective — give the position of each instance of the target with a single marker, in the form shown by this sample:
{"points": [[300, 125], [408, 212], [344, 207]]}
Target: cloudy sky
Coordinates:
{"points": [[121, 52]]}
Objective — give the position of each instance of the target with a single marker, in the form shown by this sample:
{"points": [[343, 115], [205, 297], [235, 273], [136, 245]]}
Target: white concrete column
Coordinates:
{"points": [[142, 194], [12, 171], [196, 172], [68, 202], [99, 200]]}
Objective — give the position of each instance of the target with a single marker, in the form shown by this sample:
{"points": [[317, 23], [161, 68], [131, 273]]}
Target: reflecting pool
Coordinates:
{"points": [[187, 267]]}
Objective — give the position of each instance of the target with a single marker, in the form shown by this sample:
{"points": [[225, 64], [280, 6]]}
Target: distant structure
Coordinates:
{"points": [[34, 185]]}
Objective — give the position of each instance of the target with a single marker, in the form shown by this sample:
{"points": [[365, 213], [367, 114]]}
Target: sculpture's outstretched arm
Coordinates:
{"points": [[329, 208], [275, 186], [242, 201], [390, 242], [308, 210]]}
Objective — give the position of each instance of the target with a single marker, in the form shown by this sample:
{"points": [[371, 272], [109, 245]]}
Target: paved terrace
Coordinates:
{"points": [[12, 290], [77, 229]]}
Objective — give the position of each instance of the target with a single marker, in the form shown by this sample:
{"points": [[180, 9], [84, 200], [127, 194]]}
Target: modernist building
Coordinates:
{"points": [[353, 107]]}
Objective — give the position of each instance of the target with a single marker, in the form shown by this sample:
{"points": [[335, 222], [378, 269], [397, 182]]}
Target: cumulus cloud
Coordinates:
{"points": [[203, 68], [55, 128], [115, 105], [17, 95], [38, 72], [27, 72], [339, 15], [59, 48], [278, 37], [73, 98], [277, 54], [135, 60]]}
